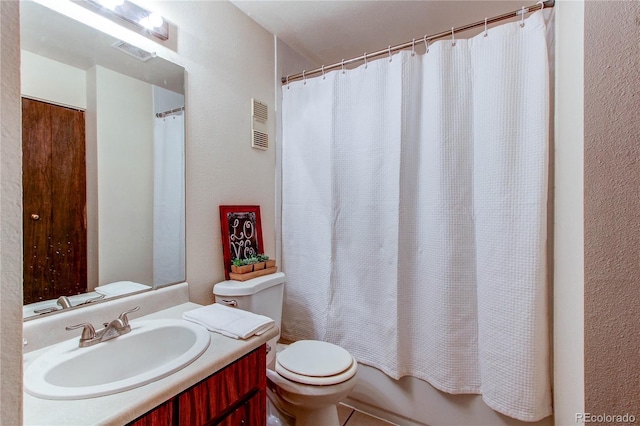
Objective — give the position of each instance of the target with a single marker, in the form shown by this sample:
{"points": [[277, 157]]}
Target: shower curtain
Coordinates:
{"points": [[414, 215], [168, 200]]}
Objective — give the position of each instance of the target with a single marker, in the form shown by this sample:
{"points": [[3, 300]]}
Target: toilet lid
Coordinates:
{"points": [[306, 360], [318, 381]]}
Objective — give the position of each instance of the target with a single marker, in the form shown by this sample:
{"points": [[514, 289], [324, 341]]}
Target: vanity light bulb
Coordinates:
{"points": [[154, 20]]}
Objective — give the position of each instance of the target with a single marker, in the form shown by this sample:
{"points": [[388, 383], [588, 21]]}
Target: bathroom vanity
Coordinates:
{"points": [[225, 385], [235, 395]]}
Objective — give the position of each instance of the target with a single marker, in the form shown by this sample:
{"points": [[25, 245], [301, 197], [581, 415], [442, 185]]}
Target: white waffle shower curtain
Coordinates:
{"points": [[168, 200], [414, 215]]}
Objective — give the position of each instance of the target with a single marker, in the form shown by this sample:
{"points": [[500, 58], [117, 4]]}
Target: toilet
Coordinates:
{"points": [[308, 378]]}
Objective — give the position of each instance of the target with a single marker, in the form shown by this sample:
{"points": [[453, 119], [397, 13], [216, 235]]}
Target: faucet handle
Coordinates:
{"points": [[88, 332], [123, 316], [92, 299]]}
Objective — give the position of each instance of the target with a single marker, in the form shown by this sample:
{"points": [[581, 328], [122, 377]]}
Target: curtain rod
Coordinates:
{"points": [[170, 112], [538, 6]]}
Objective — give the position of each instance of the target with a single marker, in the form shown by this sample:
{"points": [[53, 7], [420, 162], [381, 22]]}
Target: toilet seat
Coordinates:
{"points": [[313, 362]]}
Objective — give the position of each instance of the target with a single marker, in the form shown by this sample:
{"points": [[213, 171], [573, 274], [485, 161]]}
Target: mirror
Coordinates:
{"points": [[125, 201]]}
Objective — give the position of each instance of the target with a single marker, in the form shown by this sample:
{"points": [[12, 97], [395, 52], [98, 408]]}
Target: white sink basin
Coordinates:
{"points": [[152, 350]]}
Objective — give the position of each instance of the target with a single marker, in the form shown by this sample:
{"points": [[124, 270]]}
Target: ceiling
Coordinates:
{"points": [[326, 32]]}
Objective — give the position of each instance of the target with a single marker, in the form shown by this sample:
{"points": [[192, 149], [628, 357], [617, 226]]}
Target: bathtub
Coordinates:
{"points": [[411, 402]]}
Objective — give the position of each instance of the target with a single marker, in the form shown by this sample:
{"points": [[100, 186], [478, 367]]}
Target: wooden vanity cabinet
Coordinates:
{"points": [[235, 395]]}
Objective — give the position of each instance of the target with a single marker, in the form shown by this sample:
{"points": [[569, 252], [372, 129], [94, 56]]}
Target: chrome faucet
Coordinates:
{"points": [[64, 302], [111, 330]]}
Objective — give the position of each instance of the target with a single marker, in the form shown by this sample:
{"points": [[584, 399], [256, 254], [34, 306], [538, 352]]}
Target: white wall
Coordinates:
{"points": [[568, 296], [124, 132], [52, 81], [228, 60], [10, 218]]}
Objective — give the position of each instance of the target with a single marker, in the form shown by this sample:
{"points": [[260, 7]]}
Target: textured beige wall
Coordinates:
{"points": [[612, 207], [10, 218]]}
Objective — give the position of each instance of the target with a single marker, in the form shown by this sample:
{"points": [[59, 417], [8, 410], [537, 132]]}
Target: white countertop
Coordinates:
{"points": [[121, 408]]}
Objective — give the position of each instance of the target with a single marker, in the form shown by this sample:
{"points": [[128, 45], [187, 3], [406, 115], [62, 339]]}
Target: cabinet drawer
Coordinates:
{"points": [[209, 399]]}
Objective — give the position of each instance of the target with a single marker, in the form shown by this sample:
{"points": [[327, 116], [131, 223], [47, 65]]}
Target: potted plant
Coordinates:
{"points": [[258, 263], [241, 266], [268, 263]]}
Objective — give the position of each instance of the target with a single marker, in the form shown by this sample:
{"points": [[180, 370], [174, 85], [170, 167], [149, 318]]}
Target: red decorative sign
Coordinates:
{"points": [[241, 233]]}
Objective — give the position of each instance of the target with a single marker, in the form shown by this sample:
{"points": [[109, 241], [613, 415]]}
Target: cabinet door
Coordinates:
{"points": [[252, 413], [159, 416], [209, 399]]}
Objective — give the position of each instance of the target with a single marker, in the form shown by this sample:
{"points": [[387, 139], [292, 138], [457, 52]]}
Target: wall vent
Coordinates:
{"points": [[260, 140], [131, 50], [259, 119]]}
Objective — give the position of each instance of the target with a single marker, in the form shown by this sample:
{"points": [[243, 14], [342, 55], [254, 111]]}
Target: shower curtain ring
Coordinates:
{"points": [[453, 37], [323, 76], [287, 82], [522, 20], [342, 66], [486, 33], [426, 44], [304, 78], [365, 60], [541, 3], [390, 59], [413, 47]]}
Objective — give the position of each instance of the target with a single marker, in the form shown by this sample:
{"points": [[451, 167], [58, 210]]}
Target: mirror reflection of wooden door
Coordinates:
{"points": [[54, 200]]}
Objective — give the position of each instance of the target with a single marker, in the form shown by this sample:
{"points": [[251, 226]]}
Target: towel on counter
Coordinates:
{"points": [[228, 321], [120, 287]]}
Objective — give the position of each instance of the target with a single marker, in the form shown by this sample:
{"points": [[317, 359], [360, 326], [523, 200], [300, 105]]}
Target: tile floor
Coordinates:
{"points": [[350, 417]]}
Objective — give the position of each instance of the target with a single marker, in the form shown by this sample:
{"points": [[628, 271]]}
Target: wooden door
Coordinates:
{"points": [[54, 199]]}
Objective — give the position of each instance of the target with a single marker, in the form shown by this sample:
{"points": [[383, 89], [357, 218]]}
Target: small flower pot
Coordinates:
{"points": [[270, 263], [242, 269], [258, 266]]}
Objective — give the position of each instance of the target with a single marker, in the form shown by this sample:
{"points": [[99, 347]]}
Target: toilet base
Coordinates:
{"points": [[276, 417], [308, 405], [296, 416]]}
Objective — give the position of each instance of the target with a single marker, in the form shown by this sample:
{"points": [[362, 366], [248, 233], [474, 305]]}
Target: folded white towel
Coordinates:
{"points": [[120, 287], [230, 322]]}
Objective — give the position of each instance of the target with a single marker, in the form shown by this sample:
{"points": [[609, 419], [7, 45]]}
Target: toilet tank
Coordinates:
{"points": [[262, 295]]}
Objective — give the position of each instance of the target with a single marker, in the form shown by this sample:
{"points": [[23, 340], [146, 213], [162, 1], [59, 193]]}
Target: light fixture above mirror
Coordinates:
{"points": [[144, 20]]}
